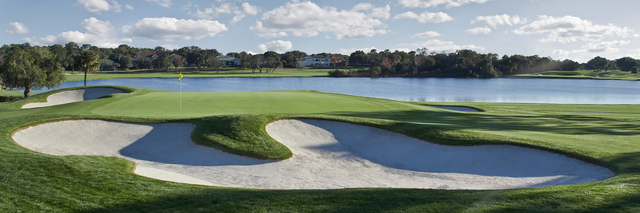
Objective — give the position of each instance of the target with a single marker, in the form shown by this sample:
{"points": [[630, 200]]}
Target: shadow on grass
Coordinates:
{"points": [[551, 123], [552, 199], [347, 200]]}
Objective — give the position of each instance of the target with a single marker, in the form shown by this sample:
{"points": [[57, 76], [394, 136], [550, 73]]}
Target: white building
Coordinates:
{"points": [[318, 61], [230, 61]]}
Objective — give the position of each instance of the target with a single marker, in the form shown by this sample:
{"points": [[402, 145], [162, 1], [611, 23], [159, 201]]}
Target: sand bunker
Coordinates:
{"points": [[456, 108], [70, 96], [327, 155]]}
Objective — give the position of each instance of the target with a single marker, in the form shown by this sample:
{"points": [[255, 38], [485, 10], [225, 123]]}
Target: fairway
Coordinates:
{"points": [[235, 123]]}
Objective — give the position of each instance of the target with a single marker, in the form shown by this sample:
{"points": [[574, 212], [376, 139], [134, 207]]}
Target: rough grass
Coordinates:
{"points": [[33, 182]]}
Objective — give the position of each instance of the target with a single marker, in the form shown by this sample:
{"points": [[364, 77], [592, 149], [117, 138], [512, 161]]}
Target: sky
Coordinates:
{"points": [[561, 29]]}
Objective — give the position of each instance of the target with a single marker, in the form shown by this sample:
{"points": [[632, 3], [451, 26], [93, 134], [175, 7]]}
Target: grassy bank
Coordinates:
{"points": [[234, 122], [195, 73], [584, 74]]}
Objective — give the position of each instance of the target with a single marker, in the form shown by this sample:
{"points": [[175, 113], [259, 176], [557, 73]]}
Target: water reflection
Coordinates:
{"points": [[561, 91]]}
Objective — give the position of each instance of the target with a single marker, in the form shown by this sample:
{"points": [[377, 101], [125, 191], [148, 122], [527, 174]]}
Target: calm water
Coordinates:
{"points": [[565, 91]]}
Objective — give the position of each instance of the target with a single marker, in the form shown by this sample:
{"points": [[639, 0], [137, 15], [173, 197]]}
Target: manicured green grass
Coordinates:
{"points": [[11, 93], [584, 74], [197, 104], [205, 73], [234, 122]]}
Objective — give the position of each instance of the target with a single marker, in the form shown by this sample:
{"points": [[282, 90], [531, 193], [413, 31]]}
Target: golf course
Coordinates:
{"points": [[247, 137]]}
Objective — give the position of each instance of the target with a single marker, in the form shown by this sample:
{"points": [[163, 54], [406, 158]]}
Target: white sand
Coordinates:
{"points": [[327, 155], [71, 96]]}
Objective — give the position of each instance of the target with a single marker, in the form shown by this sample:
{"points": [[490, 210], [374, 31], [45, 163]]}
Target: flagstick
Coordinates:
{"points": [[180, 95]]}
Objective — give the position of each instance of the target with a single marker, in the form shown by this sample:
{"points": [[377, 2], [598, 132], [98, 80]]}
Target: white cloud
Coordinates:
{"points": [[171, 46], [433, 3], [447, 46], [228, 8], [308, 19], [503, 19], [479, 30], [381, 12], [279, 46], [97, 33], [164, 3], [214, 12], [97, 6], [170, 29], [17, 28], [249, 9], [363, 6], [128, 6], [602, 47], [426, 17], [635, 53], [570, 29], [428, 34]]}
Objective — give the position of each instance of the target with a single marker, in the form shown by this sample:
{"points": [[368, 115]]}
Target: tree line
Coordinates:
{"points": [[34, 67], [468, 64]]}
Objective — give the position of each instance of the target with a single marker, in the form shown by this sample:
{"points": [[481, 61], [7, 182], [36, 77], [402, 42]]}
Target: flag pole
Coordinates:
{"points": [[180, 80]]}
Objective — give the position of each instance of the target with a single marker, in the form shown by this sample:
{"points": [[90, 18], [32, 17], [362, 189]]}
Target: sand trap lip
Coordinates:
{"points": [[71, 96], [327, 155], [456, 108]]}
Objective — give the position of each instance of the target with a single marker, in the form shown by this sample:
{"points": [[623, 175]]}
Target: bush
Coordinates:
{"points": [[9, 98], [337, 73]]}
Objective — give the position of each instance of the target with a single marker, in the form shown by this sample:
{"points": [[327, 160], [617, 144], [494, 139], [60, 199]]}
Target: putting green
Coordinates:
{"points": [[197, 104]]}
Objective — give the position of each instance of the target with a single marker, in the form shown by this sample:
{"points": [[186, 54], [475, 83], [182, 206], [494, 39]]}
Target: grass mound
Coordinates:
{"points": [[241, 135]]}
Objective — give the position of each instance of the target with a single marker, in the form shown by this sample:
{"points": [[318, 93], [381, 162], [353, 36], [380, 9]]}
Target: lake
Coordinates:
{"points": [[509, 90]]}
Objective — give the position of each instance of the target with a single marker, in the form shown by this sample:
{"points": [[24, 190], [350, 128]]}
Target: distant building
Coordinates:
{"points": [[230, 61], [143, 55], [107, 64], [316, 61]]}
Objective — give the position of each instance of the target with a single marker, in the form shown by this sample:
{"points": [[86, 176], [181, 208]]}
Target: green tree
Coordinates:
{"points": [[569, 65], [145, 64], [255, 62], [125, 63], [358, 58], [635, 70], [598, 63], [627, 63], [178, 61], [163, 61], [292, 57], [88, 61], [73, 51], [272, 60], [30, 68]]}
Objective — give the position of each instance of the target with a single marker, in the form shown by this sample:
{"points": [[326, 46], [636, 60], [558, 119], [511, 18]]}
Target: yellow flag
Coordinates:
{"points": [[180, 78]]}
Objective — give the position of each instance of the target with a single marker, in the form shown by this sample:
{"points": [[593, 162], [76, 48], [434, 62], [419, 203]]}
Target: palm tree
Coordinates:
{"points": [[88, 61]]}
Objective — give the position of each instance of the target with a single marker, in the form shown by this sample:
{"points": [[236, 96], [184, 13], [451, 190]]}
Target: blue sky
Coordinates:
{"points": [[573, 29]]}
